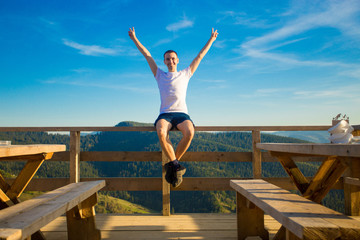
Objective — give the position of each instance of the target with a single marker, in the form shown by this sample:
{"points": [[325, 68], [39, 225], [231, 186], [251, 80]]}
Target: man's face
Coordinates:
{"points": [[171, 60]]}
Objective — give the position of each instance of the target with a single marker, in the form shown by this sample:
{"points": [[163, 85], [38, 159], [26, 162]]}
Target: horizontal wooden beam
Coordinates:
{"points": [[31, 149], [352, 181], [125, 156], [128, 156], [151, 129], [154, 184], [266, 157], [301, 149]]}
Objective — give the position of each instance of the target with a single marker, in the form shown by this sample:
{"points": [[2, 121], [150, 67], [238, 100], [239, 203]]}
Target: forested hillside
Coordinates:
{"points": [[197, 201]]}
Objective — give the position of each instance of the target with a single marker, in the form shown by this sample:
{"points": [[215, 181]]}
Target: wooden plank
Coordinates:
{"points": [[124, 156], [344, 150], [36, 217], [266, 157], [74, 156], [108, 156], [302, 217], [26, 157], [25, 176], [256, 156], [50, 196], [328, 173], [150, 226], [165, 187], [21, 150], [154, 184], [3, 184], [152, 129], [347, 191], [137, 156], [354, 191], [352, 181], [44, 184], [217, 157], [5, 199], [14, 233], [293, 171], [81, 221], [204, 184], [250, 219]]}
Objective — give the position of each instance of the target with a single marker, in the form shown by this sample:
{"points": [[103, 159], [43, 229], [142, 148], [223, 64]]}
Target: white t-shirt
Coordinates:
{"points": [[173, 87]]}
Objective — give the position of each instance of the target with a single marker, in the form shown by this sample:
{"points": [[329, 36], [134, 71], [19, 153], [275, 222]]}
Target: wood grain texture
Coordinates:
{"points": [[31, 215], [323, 149], [304, 218], [152, 129], [23, 150]]}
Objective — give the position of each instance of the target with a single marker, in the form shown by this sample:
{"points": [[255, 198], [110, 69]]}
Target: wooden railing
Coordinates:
{"points": [[74, 156]]}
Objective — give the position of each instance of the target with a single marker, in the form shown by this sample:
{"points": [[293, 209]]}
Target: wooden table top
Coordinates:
{"points": [[324, 149], [22, 150]]}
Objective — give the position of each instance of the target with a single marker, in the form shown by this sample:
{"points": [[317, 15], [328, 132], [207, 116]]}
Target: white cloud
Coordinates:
{"points": [[325, 93], [46, 21], [290, 59], [89, 78], [345, 91], [91, 50], [184, 23], [268, 92], [219, 44], [353, 73], [241, 18], [163, 41], [340, 15]]}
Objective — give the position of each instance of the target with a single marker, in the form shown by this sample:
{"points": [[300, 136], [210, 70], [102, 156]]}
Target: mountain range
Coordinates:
{"points": [[310, 136]]}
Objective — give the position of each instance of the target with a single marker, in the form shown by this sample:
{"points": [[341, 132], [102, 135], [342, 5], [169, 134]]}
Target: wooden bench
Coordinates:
{"points": [[302, 218], [77, 200]]}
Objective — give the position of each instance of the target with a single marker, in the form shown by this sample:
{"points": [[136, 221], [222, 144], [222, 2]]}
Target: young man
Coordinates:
{"points": [[173, 111]]}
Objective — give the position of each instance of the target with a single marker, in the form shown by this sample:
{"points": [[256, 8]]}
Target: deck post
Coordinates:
{"points": [[250, 219], [256, 154], [165, 188], [74, 156], [352, 192]]}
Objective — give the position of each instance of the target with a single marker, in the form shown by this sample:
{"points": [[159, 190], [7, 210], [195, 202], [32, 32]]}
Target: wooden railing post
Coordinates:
{"points": [[74, 156], [165, 188], [352, 192], [256, 154]]}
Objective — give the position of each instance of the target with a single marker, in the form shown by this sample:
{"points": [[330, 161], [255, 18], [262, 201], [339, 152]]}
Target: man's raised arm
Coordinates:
{"points": [[143, 51], [195, 63]]}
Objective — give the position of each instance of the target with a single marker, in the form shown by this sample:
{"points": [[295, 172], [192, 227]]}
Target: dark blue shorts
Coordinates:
{"points": [[174, 118]]}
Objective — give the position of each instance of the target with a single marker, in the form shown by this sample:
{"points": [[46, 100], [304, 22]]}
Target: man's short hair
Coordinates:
{"points": [[170, 51]]}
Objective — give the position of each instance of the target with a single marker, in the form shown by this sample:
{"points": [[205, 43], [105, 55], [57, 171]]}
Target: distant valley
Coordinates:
{"points": [[310, 136]]}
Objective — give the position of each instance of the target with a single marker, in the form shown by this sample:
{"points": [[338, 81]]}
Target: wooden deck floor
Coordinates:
{"points": [[178, 226]]}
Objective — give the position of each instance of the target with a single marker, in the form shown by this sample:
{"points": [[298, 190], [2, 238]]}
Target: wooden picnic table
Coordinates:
{"points": [[34, 155], [337, 159]]}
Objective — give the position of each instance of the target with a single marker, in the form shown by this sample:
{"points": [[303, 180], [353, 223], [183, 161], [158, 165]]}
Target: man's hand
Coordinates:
{"points": [[132, 33], [143, 51], [214, 34], [195, 63]]}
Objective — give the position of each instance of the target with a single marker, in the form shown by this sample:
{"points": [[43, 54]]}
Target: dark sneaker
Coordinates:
{"points": [[180, 171], [169, 176]]}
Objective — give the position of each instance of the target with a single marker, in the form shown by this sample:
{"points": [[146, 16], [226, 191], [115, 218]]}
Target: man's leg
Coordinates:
{"points": [[187, 130], [162, 128]]}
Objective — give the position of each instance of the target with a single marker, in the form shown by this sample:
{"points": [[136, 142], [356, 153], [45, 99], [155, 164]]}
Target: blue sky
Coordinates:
{"points": [[71, 63]]}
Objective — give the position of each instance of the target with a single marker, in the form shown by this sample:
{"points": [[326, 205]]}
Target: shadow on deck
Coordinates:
{"points": [[178, 226]]}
